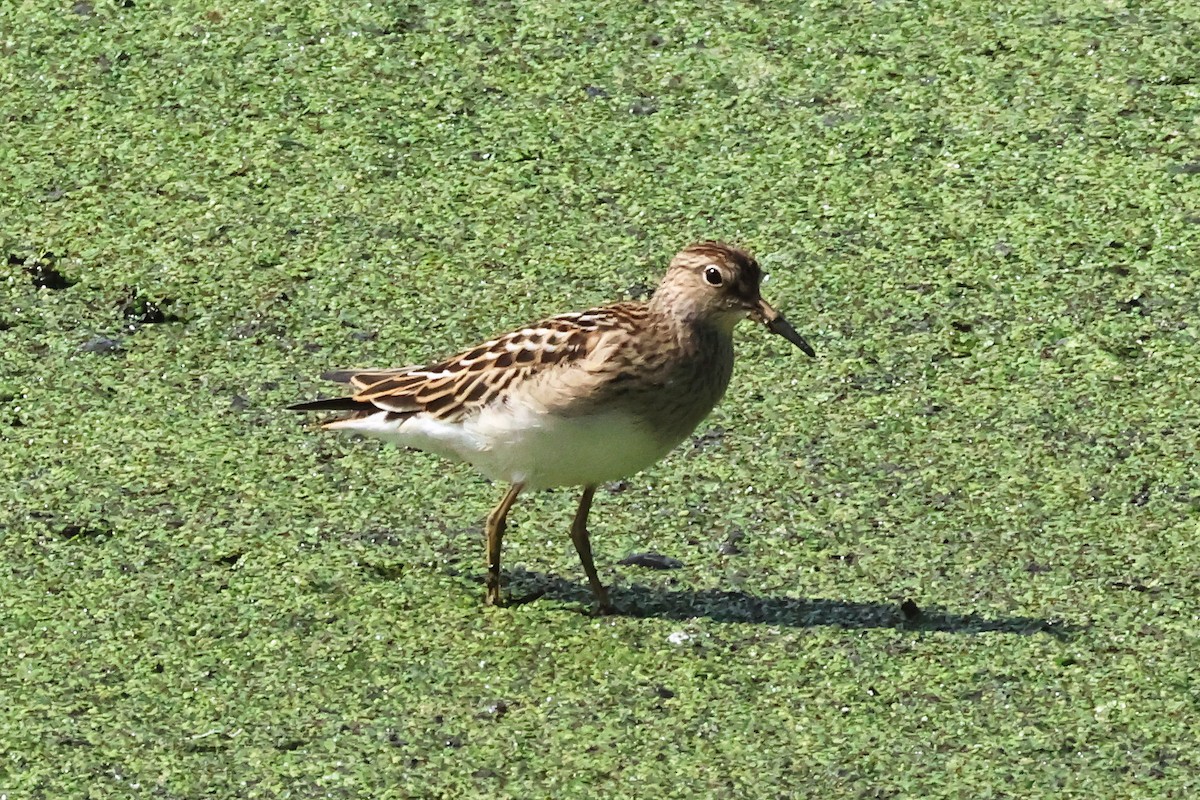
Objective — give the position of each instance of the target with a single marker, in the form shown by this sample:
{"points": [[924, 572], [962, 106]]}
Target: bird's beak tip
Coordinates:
{"points": [[775, 323]]}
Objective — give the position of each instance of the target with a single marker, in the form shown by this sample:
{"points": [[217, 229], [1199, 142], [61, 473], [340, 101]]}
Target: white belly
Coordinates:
{"points": [[539, 451]]}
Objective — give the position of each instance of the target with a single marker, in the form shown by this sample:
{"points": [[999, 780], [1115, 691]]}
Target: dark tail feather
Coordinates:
{"points": [[333, 404], [347, 403]]}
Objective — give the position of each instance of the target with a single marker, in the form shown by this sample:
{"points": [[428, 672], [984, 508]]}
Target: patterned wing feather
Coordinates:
{"points": [[457, 386]]}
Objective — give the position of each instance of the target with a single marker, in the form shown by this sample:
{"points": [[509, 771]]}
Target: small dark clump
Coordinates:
{"points": [[651, 561], [138, 309], [42, 271], [100, 344]]}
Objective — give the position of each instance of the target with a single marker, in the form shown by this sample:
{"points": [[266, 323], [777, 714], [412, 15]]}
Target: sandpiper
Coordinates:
{"points": [[577, 399]]}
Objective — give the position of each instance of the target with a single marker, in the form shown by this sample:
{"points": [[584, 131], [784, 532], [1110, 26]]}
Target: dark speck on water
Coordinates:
{"points": [[639, 291], [139, 310], [100, 344], [729, 547], [496, 710], [643, 107], [711, 437]]}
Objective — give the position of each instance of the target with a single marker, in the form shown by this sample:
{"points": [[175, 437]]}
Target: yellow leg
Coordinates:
{"points": [[495, 536], [579, 536]]}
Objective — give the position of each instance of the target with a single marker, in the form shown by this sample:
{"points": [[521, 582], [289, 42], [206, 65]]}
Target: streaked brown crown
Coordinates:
{"points": [[735, 257], [685, 292]]}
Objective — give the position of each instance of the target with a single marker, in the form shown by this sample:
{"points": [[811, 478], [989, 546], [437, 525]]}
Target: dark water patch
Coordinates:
{"points": [[643, 107], [101, 344], [42, 271], [638, 291], [1135, 586], [494, 711], [138, 309], [1188, 168], [713, 437], [730, 546], [208, 742], [258, 328], [385, 572], [85, 530], [650, 561], [1134, 305]]}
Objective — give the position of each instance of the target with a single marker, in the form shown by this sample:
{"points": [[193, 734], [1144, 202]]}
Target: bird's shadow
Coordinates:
{"points": [[638, 600]]}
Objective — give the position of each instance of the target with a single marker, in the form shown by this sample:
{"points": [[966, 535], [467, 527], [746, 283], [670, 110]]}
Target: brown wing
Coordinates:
{"points": [[455, 387]]}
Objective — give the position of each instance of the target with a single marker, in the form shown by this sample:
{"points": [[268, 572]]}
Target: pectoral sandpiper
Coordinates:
{"points": [[577, 399]]}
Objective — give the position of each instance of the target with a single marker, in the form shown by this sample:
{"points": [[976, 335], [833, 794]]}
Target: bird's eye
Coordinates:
{"points": [[712, 276]]}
